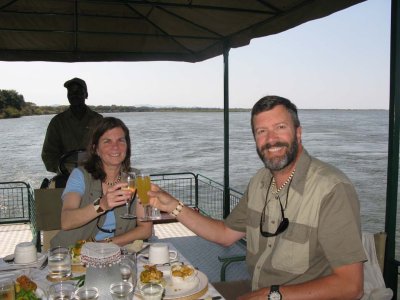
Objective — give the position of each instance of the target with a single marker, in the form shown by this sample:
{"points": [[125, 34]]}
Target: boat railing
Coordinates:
{"points": [[198, 191], [16, 199]]}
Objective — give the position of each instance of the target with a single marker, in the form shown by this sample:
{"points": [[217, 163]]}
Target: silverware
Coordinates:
{"points": [[144, 248], [44, 264]]}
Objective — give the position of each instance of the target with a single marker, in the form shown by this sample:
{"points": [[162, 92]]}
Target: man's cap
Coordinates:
{"points": [[76, 80]]}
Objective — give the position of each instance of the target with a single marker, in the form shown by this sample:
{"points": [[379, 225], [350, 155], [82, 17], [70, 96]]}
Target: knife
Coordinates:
{"points": [[44, 264], [144, 248]]}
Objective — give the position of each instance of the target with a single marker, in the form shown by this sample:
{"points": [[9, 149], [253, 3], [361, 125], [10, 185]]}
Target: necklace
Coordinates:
{"points": [[286, 182], [114, 182]]}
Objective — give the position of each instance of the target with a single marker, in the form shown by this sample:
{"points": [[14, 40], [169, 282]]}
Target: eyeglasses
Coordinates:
{"points": [[282, 226], [102, 229]]}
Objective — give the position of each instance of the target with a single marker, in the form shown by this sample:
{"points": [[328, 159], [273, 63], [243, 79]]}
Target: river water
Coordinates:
{"points": [[355, 141]]}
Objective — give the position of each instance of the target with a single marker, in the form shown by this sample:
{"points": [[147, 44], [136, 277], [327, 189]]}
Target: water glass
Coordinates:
{"points": [[122, 290], [87, 293], [59, 263], [152, 291], [7, 290], [61, 291], [128, 268]]}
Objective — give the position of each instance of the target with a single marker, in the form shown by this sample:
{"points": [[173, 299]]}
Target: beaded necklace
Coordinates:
{"points": [[114, 182], [286, 182]]}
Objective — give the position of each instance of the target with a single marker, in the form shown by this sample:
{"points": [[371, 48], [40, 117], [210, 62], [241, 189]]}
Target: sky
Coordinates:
{"points": [[341, 62]]}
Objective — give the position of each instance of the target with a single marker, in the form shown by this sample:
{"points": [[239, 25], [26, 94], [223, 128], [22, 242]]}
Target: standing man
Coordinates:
{"points": [[300, 217], [69, 130]]}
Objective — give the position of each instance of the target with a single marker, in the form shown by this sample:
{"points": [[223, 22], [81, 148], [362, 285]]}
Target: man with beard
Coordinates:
{"points": [[300, 217], [69, 130]]}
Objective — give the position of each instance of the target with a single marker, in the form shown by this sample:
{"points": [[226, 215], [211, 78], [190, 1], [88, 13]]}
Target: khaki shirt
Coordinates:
{"points": [[66, 133], [324, 225]]}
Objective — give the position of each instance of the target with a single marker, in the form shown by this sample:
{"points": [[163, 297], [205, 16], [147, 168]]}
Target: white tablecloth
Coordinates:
{"points": [[39, 276]]}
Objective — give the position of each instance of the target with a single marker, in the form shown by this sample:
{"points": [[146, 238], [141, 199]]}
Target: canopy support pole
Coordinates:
{"points": [[391, 266], [226, 204]]}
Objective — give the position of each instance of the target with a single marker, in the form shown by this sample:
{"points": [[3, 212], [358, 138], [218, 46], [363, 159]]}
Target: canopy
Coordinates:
{"points": [[129, 30]]}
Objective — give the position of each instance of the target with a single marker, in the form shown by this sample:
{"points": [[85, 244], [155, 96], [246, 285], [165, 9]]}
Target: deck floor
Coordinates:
{"points": [[201, 253]]}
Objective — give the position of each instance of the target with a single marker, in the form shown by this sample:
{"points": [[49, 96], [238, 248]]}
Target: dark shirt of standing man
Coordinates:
{"points": [[69, 130]]}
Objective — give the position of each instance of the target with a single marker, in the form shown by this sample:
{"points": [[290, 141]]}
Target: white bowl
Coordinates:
{"points": [[25, 253]]}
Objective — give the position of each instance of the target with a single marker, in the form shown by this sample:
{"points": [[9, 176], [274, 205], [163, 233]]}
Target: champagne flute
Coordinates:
{"points": [[129, 178], [143, 184]]}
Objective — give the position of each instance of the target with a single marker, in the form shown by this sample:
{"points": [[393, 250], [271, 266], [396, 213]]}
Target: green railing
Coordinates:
{"points": [[197, 191], [15, 202]]}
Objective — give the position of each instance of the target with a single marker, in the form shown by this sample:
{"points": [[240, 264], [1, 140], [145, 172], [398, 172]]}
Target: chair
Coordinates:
{"points": [[48, 206], [374, 285], [227, 260]]}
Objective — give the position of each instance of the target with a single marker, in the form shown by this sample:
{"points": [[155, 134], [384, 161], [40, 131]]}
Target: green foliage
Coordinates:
{"points": [[11, 112], [13, 105]]}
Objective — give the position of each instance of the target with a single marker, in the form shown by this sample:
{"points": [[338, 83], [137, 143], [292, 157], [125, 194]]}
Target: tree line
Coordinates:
{"points": [[13, 105]]}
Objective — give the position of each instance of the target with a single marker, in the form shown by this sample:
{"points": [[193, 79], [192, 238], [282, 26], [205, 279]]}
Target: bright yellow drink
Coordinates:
{"points": [[143, 186]]}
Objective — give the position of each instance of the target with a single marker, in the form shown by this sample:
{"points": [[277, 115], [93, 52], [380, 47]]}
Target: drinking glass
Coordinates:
{"points": [[121, 290], [128, 268], [129, 178], [7, 289], [62, 291], [87, 293], [152, 291], [143, 184], [59, 263]]}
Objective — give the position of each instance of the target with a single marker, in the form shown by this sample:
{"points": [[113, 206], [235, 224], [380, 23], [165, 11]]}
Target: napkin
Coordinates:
{"points": [[5, 266]]}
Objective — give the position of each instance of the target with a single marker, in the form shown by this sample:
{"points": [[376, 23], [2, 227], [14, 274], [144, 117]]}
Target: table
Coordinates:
{"points": [[39, 276]]}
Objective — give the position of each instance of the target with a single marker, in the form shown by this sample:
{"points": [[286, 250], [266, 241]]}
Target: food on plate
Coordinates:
{"points": [[76, 251], [182, 270], [151, 274], [25, 288], [181, 273]]}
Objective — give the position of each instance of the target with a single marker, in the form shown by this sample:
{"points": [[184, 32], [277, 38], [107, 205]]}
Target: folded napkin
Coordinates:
{"points": [[5, 266]]}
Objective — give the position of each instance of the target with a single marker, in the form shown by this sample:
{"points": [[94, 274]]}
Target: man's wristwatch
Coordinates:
{"points": [[96, 204], [274, 293]]}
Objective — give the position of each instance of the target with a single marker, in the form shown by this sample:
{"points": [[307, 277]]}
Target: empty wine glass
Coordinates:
{"points": [[128, 268], [129, 178]]}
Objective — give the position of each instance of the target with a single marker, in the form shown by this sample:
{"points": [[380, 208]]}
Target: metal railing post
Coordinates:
{"points": [[226, 204], [391, 268]]}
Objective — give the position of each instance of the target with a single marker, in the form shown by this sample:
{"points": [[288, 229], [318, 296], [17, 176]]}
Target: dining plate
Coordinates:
{"points": [[192, 290]]}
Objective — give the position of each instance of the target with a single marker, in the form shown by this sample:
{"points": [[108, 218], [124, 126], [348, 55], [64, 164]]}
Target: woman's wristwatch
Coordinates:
{"points": [[274, 293], [97, 207]]}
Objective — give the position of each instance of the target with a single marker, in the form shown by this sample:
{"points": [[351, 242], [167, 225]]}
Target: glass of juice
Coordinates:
{"points": [[143, 183]]}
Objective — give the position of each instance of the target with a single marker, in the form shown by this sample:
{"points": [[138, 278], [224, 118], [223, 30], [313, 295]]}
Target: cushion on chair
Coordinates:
{"points": [[48, 206]]}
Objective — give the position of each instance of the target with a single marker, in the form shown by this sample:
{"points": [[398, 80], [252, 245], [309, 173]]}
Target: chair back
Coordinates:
{"points": [[48, 206]]}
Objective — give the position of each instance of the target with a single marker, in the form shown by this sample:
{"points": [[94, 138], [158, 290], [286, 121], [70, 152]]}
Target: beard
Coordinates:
{"points": [[279, 163]]}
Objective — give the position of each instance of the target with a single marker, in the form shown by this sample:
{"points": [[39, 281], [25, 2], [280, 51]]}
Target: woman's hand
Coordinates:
{"points": [[161, 199], [115, 196]]}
